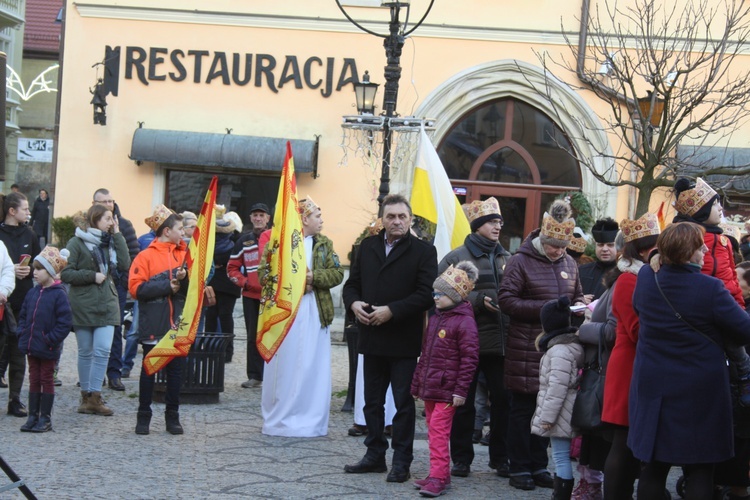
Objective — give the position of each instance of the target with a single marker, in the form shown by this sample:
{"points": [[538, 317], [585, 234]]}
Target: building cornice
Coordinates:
{"points": [[301, 23]]}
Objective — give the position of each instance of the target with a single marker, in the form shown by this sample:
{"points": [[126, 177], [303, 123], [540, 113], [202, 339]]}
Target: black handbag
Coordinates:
{"points": [[587, 410]]}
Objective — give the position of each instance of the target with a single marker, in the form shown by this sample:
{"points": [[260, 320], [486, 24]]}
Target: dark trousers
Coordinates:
{"points": [[254, 361], [16, 367], [653, 481], [526, 451], [462, 447], [221, 313], [41, 375], [621, 468], [379, 371], [114, 365], [174, 381]]}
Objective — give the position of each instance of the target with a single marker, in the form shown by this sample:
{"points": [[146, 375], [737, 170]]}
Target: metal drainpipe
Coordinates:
{"points": [[580, 63]]}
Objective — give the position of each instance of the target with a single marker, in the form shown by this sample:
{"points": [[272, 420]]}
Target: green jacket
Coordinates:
{"points": [[327, 273], [92, 304]]}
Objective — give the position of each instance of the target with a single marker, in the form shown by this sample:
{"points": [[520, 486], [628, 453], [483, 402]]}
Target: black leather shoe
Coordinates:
{"points": [[366, 465], [398, 474], [522, 482], [116, 384], [357, 430], [17, 409], [503, 469], [460, 470], [543, 480]]}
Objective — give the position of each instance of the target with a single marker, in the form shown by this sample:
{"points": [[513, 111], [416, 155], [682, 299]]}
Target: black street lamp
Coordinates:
{"points": [[393, 42]]}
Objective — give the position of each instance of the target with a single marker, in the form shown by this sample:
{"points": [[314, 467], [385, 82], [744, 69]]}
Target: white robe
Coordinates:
{"points": [[296, 395], [359, 397]]}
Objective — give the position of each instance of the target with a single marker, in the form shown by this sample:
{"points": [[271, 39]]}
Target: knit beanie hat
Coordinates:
{"points": [[456, 282], [480, 212], [53, 260], [223, 225], [555, 315], [694, 201], [557, 226]]}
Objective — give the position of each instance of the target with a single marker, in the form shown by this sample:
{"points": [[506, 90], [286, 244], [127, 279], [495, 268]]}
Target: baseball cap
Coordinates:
{"points": [[260, 207]]}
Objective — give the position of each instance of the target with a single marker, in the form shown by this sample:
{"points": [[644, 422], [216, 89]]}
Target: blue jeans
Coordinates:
{"points": [[131, 342], [94, 344], [561, 457]]}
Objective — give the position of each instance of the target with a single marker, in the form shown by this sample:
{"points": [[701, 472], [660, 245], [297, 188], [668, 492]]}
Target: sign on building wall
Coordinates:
{"points": [[39, 150]]}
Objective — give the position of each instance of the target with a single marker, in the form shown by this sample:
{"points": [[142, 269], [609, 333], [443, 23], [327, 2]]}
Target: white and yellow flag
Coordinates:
{"points": [[432, 198]]}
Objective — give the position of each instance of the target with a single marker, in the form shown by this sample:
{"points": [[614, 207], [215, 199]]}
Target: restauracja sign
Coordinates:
{"points": [[158, 64]]}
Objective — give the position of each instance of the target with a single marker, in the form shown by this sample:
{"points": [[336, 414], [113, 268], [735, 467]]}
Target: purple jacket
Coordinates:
{"points": [[450, 355], [44, 322]]}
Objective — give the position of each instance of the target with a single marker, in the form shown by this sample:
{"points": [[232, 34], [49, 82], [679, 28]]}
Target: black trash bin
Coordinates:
{"points": [[203, 372]]}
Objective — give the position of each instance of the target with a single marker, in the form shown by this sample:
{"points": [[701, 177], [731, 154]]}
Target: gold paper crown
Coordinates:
{"points": [[646, 225], [562, 231], [220, 210], [478, 208], [458, 280], [307, 206], [731, 230], [159, 217], [578, 244], [690, 201]]}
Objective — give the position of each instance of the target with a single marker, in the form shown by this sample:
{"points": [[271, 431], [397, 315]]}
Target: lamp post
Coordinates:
{"points": [[393, 42]]}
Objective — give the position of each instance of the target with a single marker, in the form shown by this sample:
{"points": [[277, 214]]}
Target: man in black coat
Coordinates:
{"points": [[604, 232], [103, 197], [388, 290]]}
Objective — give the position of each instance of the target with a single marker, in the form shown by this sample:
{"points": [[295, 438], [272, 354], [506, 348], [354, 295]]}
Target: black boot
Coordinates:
{"points": [[16, 408], [144, 420], [563, 489], [44, 424], [172, 418], [34, 398]]}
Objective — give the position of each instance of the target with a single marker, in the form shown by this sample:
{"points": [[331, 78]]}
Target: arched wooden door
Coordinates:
{"points": [[514, 152]]}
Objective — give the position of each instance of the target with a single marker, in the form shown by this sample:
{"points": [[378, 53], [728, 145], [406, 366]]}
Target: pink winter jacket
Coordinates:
{"points": [[450, 355]]}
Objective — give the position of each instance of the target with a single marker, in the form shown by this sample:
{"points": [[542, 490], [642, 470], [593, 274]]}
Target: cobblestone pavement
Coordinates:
{"points": [[222, 453]]}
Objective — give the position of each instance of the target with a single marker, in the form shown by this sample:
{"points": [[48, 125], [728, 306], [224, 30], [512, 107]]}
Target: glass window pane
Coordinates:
{"points": [[505, 165], [186, 190], [543, 139]]}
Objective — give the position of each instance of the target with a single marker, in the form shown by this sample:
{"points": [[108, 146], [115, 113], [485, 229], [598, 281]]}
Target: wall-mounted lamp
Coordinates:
{"points": [[100, 103], [606, 68], [651, 108]]}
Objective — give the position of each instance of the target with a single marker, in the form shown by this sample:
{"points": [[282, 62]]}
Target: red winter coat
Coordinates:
{"points": [[620, 365], [450, 355], [719, 262], [530, 281]]}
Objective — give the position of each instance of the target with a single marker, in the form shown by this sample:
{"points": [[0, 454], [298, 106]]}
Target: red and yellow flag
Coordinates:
{"points": [[199, 258], [282, 270], [661, 217]]}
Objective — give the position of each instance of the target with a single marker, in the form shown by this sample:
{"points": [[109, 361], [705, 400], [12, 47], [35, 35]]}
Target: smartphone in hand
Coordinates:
{"points": [[25, 260]]}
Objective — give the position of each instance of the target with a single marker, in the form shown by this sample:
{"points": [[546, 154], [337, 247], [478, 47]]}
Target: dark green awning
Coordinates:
{"points": [[243, 152]]}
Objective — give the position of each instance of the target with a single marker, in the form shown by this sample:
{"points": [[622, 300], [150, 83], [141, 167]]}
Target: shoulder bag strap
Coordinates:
{"points": [[678, 315]]}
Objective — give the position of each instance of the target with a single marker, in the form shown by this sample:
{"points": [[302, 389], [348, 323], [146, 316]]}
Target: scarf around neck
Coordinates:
{"points": [[96, 241], [485, 245]]}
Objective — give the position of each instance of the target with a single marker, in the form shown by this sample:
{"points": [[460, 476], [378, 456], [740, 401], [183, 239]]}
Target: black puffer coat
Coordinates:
{"points": [[530, 281]]}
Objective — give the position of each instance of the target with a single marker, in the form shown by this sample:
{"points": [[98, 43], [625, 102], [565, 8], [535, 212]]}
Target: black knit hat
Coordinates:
{"points": [[555, 315]]}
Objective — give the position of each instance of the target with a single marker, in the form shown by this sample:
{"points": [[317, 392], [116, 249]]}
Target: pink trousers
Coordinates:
{"points": [[439, 416]]}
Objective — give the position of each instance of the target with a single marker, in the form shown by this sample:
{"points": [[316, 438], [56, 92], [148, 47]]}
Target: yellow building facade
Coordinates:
{"points": [[198, 88]]}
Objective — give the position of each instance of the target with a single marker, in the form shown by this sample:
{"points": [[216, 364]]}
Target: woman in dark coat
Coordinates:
{"points": [[541, 271], [40, 214], [680, 403]]}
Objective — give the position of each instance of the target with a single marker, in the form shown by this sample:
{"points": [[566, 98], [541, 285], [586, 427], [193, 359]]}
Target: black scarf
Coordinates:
{"points": [[485, 245]]}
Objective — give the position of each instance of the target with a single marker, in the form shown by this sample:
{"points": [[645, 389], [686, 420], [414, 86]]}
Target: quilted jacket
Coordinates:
{"points": [[530, 281], [45, 321], [450, 355], [558, 383]]}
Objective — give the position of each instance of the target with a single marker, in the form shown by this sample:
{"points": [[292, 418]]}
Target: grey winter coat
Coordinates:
{"points": [[558, 385], [602, 321]]}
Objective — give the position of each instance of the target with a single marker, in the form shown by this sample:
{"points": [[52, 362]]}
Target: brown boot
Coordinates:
{"points": [[85, 403], [97, 406]]}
